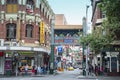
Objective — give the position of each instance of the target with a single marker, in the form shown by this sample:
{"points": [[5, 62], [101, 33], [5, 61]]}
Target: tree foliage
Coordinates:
{"points": [[112, 11], [95, 42], [110, 25]]}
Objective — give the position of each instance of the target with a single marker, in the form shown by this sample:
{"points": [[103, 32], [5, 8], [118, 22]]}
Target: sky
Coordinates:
{"points": [[74, 10]]}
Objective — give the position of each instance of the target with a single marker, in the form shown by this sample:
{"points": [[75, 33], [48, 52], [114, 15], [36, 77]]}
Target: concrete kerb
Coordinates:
{"points": [[87, 77]]}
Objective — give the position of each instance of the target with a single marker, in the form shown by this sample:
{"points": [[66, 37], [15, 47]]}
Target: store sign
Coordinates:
{"points": [[42, 32], [68, 40], [59, 41], [60, 49]]}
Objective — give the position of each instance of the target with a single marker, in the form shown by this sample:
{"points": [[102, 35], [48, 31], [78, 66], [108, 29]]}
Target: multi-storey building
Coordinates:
{"points": [[25, 33], [107, 58]]}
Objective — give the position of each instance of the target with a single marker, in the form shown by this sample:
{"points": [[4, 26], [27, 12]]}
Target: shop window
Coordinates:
{"points": [[2, 2], [10, 31], [29, 30], [12, 6]]}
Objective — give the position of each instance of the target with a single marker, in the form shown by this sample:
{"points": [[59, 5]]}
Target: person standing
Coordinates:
{"points": [[26, 69]]}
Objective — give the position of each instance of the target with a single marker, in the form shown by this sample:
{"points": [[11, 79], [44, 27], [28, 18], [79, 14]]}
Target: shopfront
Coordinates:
{"points": [[111, 61], [1, 63], [16, 59]]}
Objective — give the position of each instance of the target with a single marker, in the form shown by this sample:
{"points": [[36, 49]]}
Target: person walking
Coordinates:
{"points": [[26, 69], [96, 70]]}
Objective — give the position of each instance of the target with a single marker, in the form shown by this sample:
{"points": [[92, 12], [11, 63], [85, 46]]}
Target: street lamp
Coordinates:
{"points": [[52, 46], [87, 45], [85, 65], [16, 57]]}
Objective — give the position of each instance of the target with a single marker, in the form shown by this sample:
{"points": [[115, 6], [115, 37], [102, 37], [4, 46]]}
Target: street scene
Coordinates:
{"points": [[59, 40], [66, 75]]}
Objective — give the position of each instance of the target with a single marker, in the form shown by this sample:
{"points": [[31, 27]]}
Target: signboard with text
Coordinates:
{"points": [[42, 32]]}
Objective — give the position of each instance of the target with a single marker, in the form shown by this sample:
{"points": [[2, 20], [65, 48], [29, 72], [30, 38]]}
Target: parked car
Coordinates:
{"points": [[70, 68]]}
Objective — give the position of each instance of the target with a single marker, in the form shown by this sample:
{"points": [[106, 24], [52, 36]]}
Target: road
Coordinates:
{"points": [[66, 75]]}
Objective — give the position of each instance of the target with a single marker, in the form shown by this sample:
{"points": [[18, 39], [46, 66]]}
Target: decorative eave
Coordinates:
{"points": [[68, 27]]}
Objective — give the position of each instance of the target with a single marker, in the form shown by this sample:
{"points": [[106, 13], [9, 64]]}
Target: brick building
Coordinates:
{"points": [[24, 33], [107, 58]]}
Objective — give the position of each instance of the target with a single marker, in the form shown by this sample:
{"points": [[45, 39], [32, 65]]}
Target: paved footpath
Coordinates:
{"points": [[66, 75]]}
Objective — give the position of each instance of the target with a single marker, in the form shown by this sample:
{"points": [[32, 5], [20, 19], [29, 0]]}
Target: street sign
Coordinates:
{"points": [[60, 49]]}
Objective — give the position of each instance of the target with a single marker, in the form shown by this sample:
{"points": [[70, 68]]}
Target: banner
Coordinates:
{"points": [[42, 32], [18, 30]]}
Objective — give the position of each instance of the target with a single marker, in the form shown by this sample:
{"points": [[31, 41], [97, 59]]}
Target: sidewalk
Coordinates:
{"points": [[86, 77], [92, 76]]}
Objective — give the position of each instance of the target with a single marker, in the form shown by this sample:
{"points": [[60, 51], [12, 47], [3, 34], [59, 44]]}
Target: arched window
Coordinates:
{"points": [[30, 6], [29, 30], [10, 31], [40, 7], [12, 6]]}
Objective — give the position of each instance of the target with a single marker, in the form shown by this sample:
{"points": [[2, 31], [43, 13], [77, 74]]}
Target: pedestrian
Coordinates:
{"points": [[90, 69], [96, 70], [19, 70], [26, 69], [39, 70], [33, 70]]}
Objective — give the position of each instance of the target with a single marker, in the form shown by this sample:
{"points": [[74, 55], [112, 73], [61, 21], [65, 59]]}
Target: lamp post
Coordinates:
{"points": [[85, 62], [87, 45], [52, 46], [16, 59]]}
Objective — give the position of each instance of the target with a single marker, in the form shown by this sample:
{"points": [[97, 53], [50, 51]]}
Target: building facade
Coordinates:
{"points": [[107, 58], [25, 33]]}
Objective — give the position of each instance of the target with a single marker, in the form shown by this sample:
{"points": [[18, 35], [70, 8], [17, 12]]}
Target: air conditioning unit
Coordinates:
{"points": [[1, 42]]}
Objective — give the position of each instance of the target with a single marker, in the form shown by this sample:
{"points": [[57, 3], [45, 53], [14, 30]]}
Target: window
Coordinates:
{"points": [[20, 2], [38, 3], [103, 15], [11, 1], [2, 2], [10, 31], [29, 29], [30, 6], [12, 6]]}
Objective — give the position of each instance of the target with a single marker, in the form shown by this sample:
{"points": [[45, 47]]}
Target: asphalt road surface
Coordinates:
{"points": [[66, 75]]}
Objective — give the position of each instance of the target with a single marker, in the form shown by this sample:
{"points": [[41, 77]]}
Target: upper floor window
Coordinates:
{"points": [[2, 2], [29, 30], [37, 3], [12, 6], [30, 6], [10, 31], [11, 1]]}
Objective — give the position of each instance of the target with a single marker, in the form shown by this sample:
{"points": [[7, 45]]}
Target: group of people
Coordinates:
{"points": [[34, 70], [96, 70]]}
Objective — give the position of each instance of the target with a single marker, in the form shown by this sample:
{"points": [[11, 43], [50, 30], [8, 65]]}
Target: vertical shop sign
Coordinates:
{"points": [[42, 32]]}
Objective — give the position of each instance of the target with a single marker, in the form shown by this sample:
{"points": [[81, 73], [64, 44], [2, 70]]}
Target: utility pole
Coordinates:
{"points": [[87, 45], [52, 46]]}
